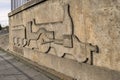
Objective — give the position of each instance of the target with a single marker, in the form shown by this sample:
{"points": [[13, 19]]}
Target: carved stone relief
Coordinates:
{"points": [[19, 35], [57, 36], [19, 40]]}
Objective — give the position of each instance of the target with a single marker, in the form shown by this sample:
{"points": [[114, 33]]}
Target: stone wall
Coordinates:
{"points": [[82, 31], [4, 41]]}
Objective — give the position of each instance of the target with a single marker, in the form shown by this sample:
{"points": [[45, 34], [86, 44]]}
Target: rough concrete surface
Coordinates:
{"points": [[4, 41], [11, 69], [62, 34]]}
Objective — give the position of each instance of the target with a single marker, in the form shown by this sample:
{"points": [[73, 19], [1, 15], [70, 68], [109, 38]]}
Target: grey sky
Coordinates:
{"points": [[5, 9]]}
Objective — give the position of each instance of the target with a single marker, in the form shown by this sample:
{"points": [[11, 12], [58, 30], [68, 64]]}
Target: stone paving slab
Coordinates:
{"points": [[11, 69]]}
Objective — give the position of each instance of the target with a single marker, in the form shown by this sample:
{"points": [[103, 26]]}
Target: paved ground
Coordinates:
{"points": [[11, 69]]}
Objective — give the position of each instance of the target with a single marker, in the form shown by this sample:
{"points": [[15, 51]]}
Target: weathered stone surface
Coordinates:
{"points": [[72, 68], [70, 29], [42, 31], [4, 41], [11, 69]]}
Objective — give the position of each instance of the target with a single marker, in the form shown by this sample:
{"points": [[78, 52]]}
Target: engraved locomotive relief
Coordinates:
{"points": [[56, 36]]}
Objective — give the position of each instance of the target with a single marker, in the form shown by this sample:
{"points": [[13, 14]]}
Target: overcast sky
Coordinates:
{"points": [[4, 10]]}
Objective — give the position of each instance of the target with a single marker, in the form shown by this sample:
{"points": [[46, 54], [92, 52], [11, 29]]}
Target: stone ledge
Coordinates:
{"points": [[47, 71], [25, 6], [77, 71]]}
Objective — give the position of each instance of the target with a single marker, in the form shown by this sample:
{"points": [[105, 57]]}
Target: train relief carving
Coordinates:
{"points": [[57, 37], [19, 40]]}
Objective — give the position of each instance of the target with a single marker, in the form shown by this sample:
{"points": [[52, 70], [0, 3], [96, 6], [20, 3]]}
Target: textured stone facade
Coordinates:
{"points": [[4, 41], [80, 30]]}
